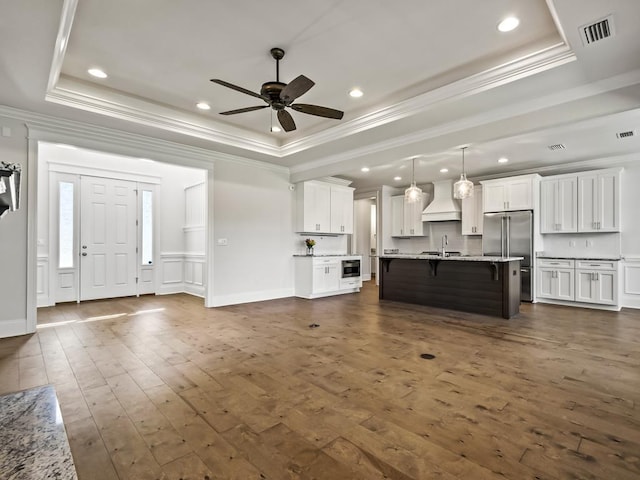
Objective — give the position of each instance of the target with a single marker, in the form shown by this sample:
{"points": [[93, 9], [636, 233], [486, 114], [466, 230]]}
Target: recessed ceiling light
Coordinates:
{"points": [[364, 169], [444, 170], [96, 72], [276, 129], [503, 160], [356, 93], [508, 24], [203, 106], [397, 178]]}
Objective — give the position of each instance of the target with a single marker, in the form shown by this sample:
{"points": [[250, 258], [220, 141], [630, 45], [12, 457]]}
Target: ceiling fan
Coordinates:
{"points": [[280, 95]]}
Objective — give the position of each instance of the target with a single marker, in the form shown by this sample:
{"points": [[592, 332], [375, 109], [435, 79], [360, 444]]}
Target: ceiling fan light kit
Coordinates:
{"points": [[463, 188], [279, 95]]}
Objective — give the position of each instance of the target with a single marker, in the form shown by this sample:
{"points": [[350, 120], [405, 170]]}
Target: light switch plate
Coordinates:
{"points": [[6, 132], [223, 242]]}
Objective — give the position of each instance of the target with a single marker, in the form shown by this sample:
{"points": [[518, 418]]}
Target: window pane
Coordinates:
{"points": [[147, 227], [65, 222]]}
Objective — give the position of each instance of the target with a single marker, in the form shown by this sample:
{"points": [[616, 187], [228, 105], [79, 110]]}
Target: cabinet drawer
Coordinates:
{"points": [[597, 265], [354, 282], [324, 261], [556, 262]]}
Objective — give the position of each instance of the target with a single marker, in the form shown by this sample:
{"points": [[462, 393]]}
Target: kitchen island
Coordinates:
{"points": [[478, 284]]}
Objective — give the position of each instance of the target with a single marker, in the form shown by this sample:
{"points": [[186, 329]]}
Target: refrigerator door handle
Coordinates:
{"points": [[508, 237], [502, 219]]}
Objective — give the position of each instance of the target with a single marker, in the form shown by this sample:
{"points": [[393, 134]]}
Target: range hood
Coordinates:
{"points": [[444, 207]]}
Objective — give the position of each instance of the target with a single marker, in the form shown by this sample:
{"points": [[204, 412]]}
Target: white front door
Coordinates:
{"points": [[107, 238]]}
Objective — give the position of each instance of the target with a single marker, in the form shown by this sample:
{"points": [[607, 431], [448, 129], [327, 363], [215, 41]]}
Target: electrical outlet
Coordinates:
{"points": [[572, 243], [223, 242], [589, 243]]}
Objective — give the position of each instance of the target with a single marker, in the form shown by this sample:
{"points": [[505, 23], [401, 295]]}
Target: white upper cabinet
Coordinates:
{"points": [[341, 209], [472, 215], [406, 218], [558, 204], [508, 194], [581, 202], [599, 201], [324, 208]]}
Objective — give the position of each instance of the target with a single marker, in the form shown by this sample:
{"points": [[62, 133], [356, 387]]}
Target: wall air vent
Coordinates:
{"points": [[557, 146], [596, 31], [630, 133]]}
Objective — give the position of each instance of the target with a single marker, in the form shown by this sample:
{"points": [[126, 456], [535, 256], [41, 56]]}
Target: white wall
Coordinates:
{"points": [[253, 211], [362, 229], [13, 238]]}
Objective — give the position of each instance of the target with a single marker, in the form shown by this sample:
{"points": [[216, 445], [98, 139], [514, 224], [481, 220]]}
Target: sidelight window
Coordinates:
{"points": [[147, 227], [65, 222]]}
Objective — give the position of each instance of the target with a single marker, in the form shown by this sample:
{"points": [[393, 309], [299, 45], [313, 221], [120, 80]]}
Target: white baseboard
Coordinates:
{"points": [[192, 289], [170, 288], [13, 328], [249, 297], [630, 301]]}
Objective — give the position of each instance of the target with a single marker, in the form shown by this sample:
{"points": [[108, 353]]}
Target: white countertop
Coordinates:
{"points": [[470, 258]]}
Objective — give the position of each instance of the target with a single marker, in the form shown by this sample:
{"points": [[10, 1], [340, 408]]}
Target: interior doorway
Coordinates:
{"points": [[366, 233]]}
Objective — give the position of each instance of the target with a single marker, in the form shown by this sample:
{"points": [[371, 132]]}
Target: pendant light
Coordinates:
{"points": [[413, 193], [463, 188]]}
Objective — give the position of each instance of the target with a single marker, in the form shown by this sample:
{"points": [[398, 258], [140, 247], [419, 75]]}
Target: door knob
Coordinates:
{"points": [[84, 254], [84, 246]]}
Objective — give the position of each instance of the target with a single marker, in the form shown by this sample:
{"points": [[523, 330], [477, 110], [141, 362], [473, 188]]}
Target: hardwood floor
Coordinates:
{"points": [[162, 388]]}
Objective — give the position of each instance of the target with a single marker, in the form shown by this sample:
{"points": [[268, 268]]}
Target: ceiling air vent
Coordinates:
{"points": [[630, 133], [557, 146], [594, 32]]}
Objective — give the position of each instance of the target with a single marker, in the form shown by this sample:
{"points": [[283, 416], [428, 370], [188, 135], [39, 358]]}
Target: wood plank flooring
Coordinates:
{"points": [[162, 388]]}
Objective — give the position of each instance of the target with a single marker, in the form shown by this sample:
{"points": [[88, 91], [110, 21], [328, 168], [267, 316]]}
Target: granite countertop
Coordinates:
{"points": [[33, 441], [563, 257], [325, 255], [459, 258]]}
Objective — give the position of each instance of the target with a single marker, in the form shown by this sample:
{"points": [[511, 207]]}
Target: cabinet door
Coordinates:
{"points": [[519, 194], [548, 206], [397, 216], [587, 203], [565, 280], [316, 207], [546, 282], [608, 214], [607, 287], [341, 210], [477, 194], [494, 197], [326, 277], [586, 286], [566, 205]]}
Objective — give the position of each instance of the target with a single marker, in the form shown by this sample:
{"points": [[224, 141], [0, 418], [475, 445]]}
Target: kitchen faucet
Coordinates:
{"points": [[445, 241]]}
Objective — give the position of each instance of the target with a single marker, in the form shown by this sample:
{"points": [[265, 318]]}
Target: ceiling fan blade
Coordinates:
{"points": [[296, 88], [243, 110], [239, 89], [286, 120], [318, 111]]}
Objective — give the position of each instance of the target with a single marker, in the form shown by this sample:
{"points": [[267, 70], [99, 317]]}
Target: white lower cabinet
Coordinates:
{"points": [[581, 281], [322, 276], [597, 282], [556, 279]]}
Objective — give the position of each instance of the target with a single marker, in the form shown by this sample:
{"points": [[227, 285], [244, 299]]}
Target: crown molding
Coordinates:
{"points": [[57, 130], [538, 62], [497, 114], [77, 94], [62, 40]]}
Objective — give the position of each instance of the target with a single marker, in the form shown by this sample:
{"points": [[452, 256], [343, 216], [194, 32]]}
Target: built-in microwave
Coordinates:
{"points": [[350, 268]]}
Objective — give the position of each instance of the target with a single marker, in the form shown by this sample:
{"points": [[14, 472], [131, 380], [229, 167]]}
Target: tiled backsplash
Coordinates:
{"points": [[582, 245]]}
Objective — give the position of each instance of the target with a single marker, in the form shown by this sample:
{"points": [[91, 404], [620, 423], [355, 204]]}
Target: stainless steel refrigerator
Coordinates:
{"points": [[510, 234]]}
